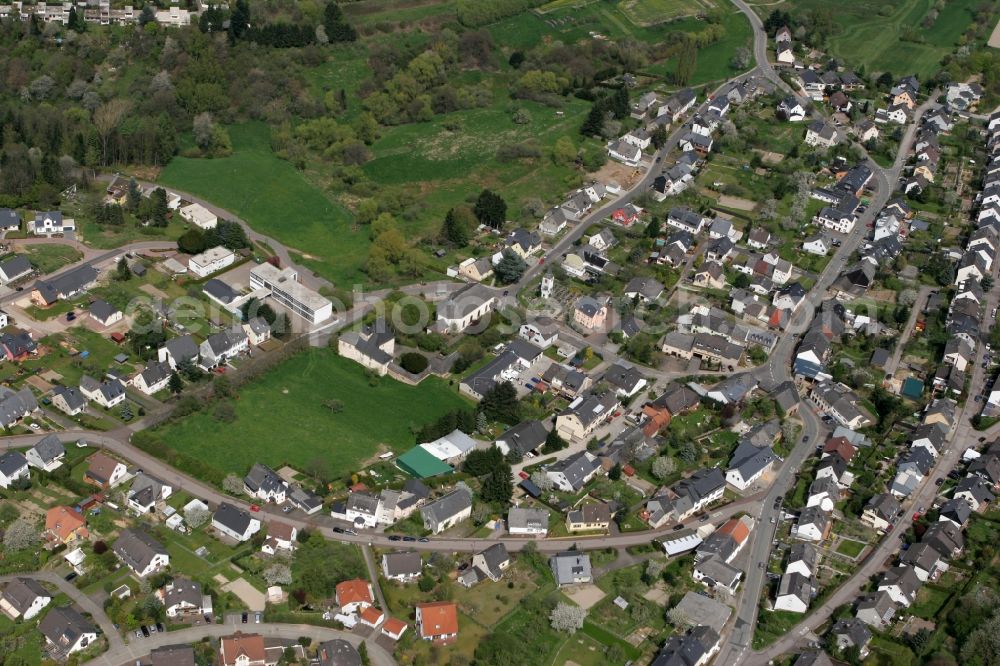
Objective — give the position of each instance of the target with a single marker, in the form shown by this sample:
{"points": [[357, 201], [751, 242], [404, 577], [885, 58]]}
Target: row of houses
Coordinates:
{"points": [[98, 13]]}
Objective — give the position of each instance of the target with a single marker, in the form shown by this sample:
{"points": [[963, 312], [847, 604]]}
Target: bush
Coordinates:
{"points": [[413, 362]]}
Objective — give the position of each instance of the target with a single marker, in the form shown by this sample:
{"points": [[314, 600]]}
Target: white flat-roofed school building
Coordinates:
{"points": [[285, 288]]}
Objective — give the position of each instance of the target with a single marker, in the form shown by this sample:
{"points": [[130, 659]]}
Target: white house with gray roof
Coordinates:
{"points": [[525, 521], [177, 351], [66, 631], [13, 468], [263, 483], [219, 348], [107, 393], [748, 464], [24, 598], [14, 268], [104, 313], [153, 378], [140, 552], [447, 511], [234, 522], [571, 568], [573, 473], [464, 308], [47, 455], [69, 400], [402, 567]]}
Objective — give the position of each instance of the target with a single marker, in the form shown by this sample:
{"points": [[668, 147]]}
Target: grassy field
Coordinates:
{"points": [[275, 199], [282, 417], [869, 32], [651, 12], [463, 161], [850, 548], [713, 60], [49, 258]]}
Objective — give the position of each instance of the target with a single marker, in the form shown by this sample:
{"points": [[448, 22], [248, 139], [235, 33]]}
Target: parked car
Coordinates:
{"points": [[145, 630], [254, 507], [395, 538], [243, 617]]}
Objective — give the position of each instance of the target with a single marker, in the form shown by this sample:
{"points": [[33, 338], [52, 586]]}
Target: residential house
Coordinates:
{"points": [[51, 222], [685, 219], [926, 562], [791, 109], [571, 568], [199, 216], [403, 567], [47, 454], [338, 652], [465, 308], [234, 522], [281, 537], [819, 134], [257, 330], [178, 351], [264, 484], [711, 275], [24, 598], [104, 471], [153, 378], [242, 649], [14, 268], [17, 345], [748, 463], [64, 526], [625, 152], [976, 492], [487, 564], [695, 648], [876, 610], [211, 261], [15, 405], [644, 289], [901, 584], [727, 541], [593, 516], [10, 219], [447, 511], [437, 622], [140, 552], [66, 631], [626, 380], [813, 524], [866, 131], [107, 393], [182, 597], [795, 592], [880, 512], [841, 403], [146, 491], [956, 511], [583, 416], [542, 332], [852, 633], [63, 286], [219, 348], [13, 468], [759, 238], [172, 655], [354, 595], [590, 313], [803, 559], [571, 474], [526, 437], [945, 538], [715, 574], [527, 521], [818, 244]]}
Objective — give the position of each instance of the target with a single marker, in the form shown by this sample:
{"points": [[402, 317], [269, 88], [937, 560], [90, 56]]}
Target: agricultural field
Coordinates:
{"points": [[276, 200], [871, 33], [284, 417]]}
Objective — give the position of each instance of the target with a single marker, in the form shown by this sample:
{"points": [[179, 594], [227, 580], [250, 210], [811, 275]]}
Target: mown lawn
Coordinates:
{"points": [[650, 12], [282, 417], [275, 199]]}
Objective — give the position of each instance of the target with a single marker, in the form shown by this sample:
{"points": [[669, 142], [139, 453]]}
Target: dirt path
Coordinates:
{"points": [[994, 39]]}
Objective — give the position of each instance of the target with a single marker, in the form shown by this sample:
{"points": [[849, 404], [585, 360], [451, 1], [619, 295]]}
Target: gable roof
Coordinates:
{"points": [[137, 549], [447, 506], [249, 646], [64, 626], [234, 518], [438, 618], [20, 593], [401, 564]]}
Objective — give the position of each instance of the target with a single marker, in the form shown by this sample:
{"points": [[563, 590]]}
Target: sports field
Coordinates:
{"points": [[276, 200], [283, 417], [651, 12]]}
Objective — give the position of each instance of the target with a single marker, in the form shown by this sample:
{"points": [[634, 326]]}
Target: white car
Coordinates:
{"points": [[81, 444], [34, 426]]}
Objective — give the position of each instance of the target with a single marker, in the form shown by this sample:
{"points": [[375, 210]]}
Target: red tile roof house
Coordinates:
{"points": [[438, 622], [394, 628], [354, 595]]}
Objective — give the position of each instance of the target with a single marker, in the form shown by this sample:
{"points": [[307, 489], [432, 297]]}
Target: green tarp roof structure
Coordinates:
{"points": [[420, 463]]}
